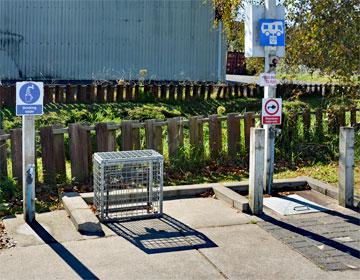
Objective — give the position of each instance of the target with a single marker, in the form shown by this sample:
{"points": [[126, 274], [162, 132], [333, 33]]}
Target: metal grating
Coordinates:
{"points": [[128, 184]]}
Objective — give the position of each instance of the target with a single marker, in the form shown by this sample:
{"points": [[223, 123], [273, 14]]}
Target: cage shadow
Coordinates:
{"points": [[161, 235]]}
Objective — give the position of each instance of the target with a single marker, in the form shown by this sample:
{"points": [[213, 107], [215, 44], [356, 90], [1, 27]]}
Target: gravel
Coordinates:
{"points": [[6, 242]]}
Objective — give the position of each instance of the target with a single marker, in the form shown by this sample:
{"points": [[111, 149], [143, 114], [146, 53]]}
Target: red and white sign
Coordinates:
{"points": [[271, 111]]}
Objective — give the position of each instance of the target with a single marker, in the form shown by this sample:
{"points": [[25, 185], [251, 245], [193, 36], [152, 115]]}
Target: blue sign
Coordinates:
{"points": [[272, 32], [29, 98]]}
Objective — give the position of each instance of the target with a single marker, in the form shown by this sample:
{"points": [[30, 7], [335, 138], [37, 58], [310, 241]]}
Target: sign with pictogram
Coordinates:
{"points": [[29, 98], [272, 32], [271, 111]]}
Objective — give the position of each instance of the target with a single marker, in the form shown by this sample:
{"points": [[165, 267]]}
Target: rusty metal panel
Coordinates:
{"points": [[109, 39]]}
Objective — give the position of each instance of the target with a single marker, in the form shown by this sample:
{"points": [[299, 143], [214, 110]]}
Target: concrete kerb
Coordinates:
{"points": [[81, 215], [327, 189]]}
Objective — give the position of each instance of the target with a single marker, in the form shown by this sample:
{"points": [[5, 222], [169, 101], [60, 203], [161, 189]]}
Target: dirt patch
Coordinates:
{"points": [[6, 242]]}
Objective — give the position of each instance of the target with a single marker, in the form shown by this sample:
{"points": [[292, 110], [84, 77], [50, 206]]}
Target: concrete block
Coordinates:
{"points": [[81, 215], [232, 198]]}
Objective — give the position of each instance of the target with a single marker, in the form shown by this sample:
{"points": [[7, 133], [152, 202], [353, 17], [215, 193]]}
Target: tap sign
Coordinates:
{"points": [[271, 111], [272, 32], [29, 98]]}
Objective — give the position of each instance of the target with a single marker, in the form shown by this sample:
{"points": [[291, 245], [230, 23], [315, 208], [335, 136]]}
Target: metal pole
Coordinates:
{"points": [[28, 161], [269, 92], [219, 59]]}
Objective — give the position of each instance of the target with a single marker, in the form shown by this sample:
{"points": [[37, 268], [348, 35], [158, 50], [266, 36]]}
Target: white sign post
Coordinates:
{"points": [[265, 37], [29, 103]]}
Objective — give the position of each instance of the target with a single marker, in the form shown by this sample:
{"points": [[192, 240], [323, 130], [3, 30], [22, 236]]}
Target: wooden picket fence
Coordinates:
{"points": [[211, 137], [130, 91]]}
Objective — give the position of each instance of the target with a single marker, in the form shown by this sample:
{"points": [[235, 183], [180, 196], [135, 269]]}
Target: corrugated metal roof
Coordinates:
{"points": [[114, 39]]}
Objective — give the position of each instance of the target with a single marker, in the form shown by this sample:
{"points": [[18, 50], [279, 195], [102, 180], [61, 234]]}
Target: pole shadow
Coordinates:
{"points": [[346, 218], [160, 235], [314, 236], [76, 265]]}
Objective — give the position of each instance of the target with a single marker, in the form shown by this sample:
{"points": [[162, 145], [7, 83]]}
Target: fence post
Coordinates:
{"points": [[353, 116], [163, 89], [100, 94], [135, 131], [233, 132], [80, 149], [346, 166], [319, 128], [215, 137], [306, 124], [47, 155], [119, 93], [3, 156], [175, 136], [128, 92], [126, 135], [92, 93], [248, 123], [256, 170], [110, 96], [172, 92], [105, 138], [153, 136], [179, 92], [209, 92], [187, 92], [196, 137], [16, 153], [70, 94]]}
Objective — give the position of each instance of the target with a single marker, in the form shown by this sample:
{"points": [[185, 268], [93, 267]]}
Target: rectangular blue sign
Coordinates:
{"points": [[29, 110], [272, 32]]}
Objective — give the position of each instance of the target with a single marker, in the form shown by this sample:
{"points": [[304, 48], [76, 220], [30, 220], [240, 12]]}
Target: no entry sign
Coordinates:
{"points": [[271, 111]]}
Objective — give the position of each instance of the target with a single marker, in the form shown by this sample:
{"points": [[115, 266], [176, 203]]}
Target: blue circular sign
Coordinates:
{"points": [[29, 93]]}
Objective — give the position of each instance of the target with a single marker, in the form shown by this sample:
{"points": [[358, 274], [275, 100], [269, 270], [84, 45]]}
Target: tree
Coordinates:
{"points": [[321, 34]]}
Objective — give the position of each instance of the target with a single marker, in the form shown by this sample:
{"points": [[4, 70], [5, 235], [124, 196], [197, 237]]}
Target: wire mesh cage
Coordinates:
{"points": [[128, 184]]}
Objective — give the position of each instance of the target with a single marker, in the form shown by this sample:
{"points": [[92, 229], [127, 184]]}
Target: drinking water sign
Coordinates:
{"points": [[272, 32], [29, 98]]}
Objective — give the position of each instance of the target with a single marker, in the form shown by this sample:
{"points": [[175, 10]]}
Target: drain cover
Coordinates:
{"points": [[292, 205]]}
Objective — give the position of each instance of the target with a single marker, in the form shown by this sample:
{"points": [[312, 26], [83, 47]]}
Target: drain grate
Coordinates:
{"points": [[292, 205]]}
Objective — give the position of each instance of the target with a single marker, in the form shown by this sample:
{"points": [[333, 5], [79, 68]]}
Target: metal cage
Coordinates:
{"points": [[128, 184]]}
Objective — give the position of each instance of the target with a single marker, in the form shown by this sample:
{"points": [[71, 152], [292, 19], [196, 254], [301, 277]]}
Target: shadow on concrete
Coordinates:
{"points": [[346, 218], [314, 236], [160, 235], [62, 252]]}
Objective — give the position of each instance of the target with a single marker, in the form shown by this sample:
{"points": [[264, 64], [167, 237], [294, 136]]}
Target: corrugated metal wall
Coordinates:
{"points": [[113, 39]]}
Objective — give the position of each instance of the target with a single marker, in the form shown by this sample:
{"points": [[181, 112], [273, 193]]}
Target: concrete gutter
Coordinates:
{"points": [[185, 191]]}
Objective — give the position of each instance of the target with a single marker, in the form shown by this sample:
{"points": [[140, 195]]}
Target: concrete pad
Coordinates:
{"points": [[81, 215], [56, 223], [248, 252], [232, 198], [205, 212], [104, 258]]}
